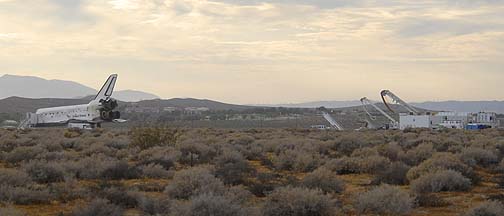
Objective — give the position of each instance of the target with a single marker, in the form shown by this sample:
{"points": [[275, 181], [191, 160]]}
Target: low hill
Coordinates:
{"points": [[23, 105], [190, 102]]}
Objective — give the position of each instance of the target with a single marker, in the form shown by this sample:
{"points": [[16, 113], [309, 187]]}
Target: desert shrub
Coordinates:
{"points": [[23, 153], [192, 182], [24, 196], [209, 204], [478, 156], [364, 152], [99, 207], [232, 168], [347, 143], [447, 180], [57, 156], [154, 171], [297, 160], [121, 170], [14, 177], [394, 174], [253, 151], [154, 206], [392, 151], [344, 165], [99, 148], [149, 137], [324, 180], [11, 211], [44, 172], [384, 200], [373, 164], [7, 144], [238, 194], [117, 143], [489, 208], [442, 161], [299, 202], [164, 156], [264, 183], [195, 152], [67, 191], [91, 167], [418, 154], [430, 200], [120, 196]]}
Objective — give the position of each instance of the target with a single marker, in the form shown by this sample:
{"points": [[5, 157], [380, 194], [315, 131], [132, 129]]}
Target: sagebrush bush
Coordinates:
{"points": [[344, 165], [394, 174], [489, 208], [145, 138], [45, 172], [154, 171], [447, 180], [439, 162], [23, 153], [12, 177], [325, 180], [91, 167], [195, 152], [232, 168], [164, 156], [99, 207], [209, 204], [297, 160], [264, 183], [372, 164], [193, 182], [120, 196], [347, 143], [153, 205], [384, 200], [477, 156], [392, 151], [121, 170], [299, 202], [67, 191], [418, 154], [24, 196]]}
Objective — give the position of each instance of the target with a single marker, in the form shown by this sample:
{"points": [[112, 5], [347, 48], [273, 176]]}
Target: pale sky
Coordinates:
{"points": [[263, 51]]}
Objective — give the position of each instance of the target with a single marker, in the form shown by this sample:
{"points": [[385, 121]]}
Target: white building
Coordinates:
{"points": [[415, 121], [484, 118], [455, 120]]}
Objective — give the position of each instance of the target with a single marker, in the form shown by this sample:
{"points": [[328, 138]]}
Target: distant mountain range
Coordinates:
{"points": [[36, 87], [458, 106]]}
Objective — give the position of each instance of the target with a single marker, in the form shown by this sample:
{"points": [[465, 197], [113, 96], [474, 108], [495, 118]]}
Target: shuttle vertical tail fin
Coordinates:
{"points": [[107, 89]]}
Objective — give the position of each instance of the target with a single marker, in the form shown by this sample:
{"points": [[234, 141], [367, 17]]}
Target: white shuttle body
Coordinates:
{"points": [[84, 116]]}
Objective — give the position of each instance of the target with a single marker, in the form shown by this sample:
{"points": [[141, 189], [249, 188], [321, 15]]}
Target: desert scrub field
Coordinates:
{"points": [[171, 171]]}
